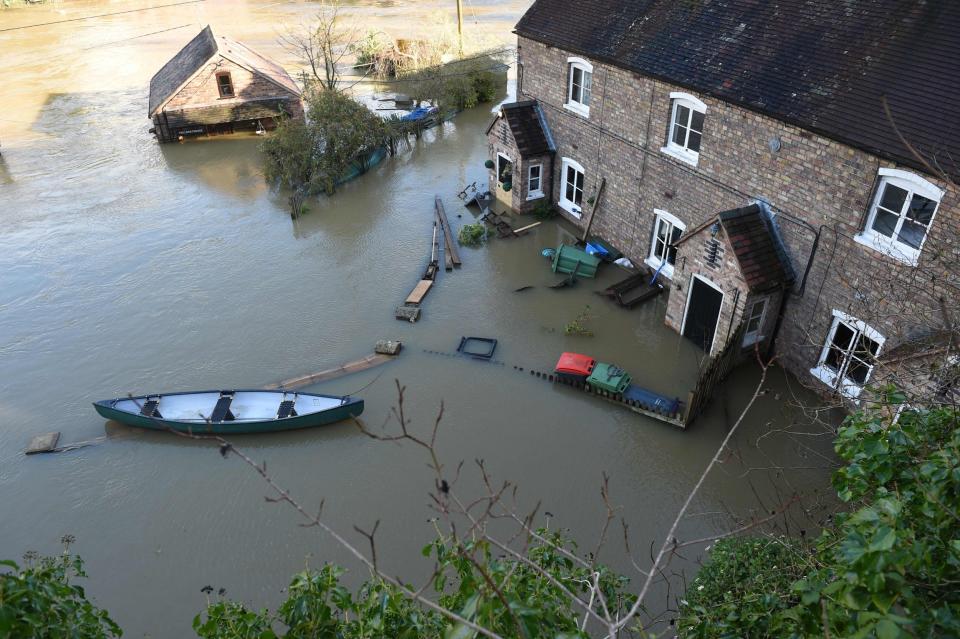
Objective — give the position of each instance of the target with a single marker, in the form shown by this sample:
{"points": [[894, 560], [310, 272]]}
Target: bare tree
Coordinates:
{"points": [[322, 45]]}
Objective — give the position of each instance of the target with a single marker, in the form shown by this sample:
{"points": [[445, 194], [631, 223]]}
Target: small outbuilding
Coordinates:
{"points": [[521, 157], [216, 85]]}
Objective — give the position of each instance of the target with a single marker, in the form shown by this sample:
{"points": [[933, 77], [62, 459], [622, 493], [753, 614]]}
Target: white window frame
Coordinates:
{"points": [[673, 149], [576, 210], [839, 381], [496, 169], [890, 246], [575, 105], [535, 194], [723, 298], [752, 337], [652, 260]]}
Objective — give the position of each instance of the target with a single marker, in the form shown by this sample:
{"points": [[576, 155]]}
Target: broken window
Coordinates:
{"points": [[849, 355]]}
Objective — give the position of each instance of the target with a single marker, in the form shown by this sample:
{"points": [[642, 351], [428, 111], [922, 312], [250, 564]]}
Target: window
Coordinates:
{"points": [[579, 83], [667, 229], [900, 215], [534, 184], [849, 355], [686, 127], [504, 169], [754, 322], [571, 190], [225, 85]]}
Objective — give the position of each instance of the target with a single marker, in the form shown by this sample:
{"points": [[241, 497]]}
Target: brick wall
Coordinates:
{"points": [[202, 90], [500, 140], [819, 191]]}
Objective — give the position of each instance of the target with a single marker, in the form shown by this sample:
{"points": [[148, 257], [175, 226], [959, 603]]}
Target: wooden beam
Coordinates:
{"points": [[419, 292], [593, 209], [362, 364], [524, 229], [447, 232]]}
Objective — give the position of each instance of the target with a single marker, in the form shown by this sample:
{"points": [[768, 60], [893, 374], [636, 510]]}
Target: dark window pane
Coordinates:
{"points": [[672, 255], [858, 371], [885, 222], [694, 142], [843, 336], [579, 179], [867, 348], [893, 198], [697, 123], [921, 209], [569, 192], [835, 359], [587, 86], [912, 233], [675, 235], [679, 135], [683, 115]]}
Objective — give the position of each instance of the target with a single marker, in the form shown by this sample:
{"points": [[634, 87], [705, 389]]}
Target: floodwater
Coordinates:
{"points": [[130, 267]]}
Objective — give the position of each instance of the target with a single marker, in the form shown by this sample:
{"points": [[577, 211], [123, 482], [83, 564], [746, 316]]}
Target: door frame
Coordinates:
{"points": [[686, 308]]}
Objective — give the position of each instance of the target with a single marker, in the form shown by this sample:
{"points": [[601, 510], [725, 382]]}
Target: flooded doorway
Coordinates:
{"points": [[703, 312]]}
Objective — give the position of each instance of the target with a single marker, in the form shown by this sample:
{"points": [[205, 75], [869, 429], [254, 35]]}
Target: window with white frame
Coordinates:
{"points": [[900, 215], [667, 229], [686, 127], [534, 181], [755, 314], [849, 355], [571, 187], [579, 85]]}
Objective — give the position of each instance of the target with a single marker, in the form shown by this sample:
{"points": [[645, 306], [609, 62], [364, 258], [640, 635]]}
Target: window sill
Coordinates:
{"points": [[535, 195], [571, 208], [577, 108], [683, 155], [828, 377], [888, 247], [654, 263]]}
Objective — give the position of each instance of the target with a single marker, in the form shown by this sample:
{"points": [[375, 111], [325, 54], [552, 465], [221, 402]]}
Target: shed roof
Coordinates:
{"points": [[528, 127], [823, 65], [198, 52]]}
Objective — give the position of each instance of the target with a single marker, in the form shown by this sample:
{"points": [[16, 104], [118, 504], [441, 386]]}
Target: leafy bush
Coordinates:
{"points": [[544, 210], [472, 234], [889, 568], [38, 600]]}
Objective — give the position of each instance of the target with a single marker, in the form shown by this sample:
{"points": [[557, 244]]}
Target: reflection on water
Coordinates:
{"points": [[130, 267]]}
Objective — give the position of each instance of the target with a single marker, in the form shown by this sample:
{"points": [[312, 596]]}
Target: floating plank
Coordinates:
{"points": [[419, 292], [362, 364], [45, 443], [524, 229], [447, 232]]}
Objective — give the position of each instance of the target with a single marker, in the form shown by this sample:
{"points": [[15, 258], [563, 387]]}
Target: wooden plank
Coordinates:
{"points": [[362, 364], [524, 229], [593, 209], [447, 232], [45, 443], [419, 292]]}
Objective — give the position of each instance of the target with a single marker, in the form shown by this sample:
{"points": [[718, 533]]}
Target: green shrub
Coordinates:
{"points": [[544, 210], [472, 234]]}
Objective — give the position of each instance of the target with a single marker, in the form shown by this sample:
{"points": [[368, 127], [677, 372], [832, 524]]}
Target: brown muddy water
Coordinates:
{"points": [[126, 266]]}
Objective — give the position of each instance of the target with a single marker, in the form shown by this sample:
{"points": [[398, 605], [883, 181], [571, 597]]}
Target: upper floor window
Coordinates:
{"points": [[849, 355], [571, 189], [534, 181], [667, 229], [686, 127], [225, 85], [579, 83], [900, 215]]}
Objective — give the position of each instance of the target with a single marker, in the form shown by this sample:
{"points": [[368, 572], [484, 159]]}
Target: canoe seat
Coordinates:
{"points": [[286, 409], [221, 412], [149, 409]]}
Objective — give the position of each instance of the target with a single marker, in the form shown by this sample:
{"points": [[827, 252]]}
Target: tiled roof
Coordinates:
{"points": [[528, 127], [762, 261], [823, 65], [172, 76]]}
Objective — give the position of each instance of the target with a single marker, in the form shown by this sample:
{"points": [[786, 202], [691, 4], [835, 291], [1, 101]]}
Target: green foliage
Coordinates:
{"points": [[472, 234], [523, 604], [338, 136], [38, 600], [890, 567], [367, 48], [544, 210], [578, 326]]}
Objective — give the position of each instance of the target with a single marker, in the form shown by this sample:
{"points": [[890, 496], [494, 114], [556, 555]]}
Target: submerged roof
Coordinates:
{"points": [[528, 127], [824, 65], [190, 59]]}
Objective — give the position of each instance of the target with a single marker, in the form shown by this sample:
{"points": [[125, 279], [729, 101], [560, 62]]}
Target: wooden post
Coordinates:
{"points": [[460, 25], [593, 209]]}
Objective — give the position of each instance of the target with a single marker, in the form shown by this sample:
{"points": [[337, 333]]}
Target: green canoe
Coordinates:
{"points": [[230, 412]]}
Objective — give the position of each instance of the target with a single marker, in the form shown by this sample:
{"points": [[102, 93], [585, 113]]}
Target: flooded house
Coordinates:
{"points": [[773, 161], [215, 85]]}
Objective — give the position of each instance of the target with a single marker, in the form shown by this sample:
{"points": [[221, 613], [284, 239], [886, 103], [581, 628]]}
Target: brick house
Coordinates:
{"points": [[217, 85], [775, 159]]}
